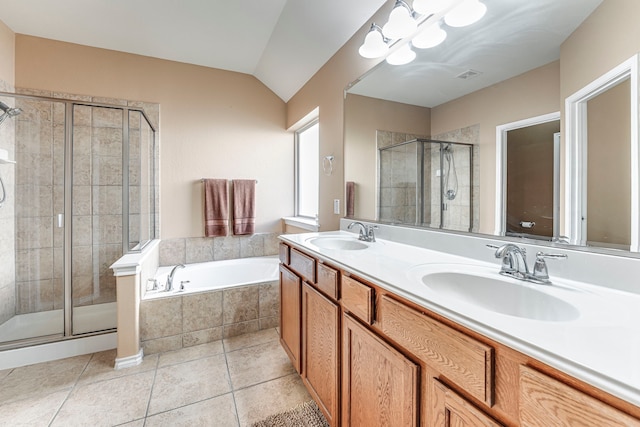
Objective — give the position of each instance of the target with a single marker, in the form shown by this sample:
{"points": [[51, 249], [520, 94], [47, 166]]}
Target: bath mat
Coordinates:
{"points": [[306, 414]]}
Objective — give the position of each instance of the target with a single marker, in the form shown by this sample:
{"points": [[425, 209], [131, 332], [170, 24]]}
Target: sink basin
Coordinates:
{"points": [[501, 295], [338, 243]]}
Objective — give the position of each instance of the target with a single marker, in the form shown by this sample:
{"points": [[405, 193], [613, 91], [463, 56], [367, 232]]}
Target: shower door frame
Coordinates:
{"points": [[68, 207]]}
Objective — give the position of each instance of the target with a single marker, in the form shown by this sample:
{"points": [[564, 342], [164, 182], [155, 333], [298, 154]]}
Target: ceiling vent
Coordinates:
{"points": [[469, 74]]}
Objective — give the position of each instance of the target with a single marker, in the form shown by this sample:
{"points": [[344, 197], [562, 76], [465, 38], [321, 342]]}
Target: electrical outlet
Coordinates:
{"points": [[336, 206]]}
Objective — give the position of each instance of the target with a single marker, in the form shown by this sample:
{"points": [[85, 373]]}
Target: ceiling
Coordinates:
{"points": [[283, 43], [514, 36]]}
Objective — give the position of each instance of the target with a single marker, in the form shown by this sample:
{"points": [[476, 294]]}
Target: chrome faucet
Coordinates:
{"points": [[366, 231], [169, 286], [514, 263]]}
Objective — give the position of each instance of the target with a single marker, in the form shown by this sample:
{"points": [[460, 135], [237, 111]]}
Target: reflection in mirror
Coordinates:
{"points": [[425, 183], [529, 59], [531, 154], [608, 168]]}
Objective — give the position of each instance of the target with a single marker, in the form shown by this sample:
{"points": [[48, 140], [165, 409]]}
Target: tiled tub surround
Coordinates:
{"points": [[202, 249], [174, 322]]}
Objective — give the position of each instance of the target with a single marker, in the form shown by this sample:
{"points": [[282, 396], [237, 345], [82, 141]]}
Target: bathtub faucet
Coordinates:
{"points": [[169, 286]]}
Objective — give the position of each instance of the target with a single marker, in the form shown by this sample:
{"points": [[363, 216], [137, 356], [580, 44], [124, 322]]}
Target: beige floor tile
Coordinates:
{"points": [[42, 378], [107, 403], [218, 411], [258, 402], [136, 423], [253, 365], [100, 367], [188, 354], [4, 373], [189, 382], [34, 412], [251, 339]]}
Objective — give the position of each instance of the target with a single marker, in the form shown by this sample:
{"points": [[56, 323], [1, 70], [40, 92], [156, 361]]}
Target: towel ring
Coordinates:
{"points": [[327, 165]]}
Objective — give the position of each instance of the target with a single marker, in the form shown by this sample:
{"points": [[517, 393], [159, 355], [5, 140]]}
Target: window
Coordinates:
{"points": [[307, 170]]}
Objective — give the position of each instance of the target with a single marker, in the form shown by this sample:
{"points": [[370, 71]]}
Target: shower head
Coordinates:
{"points": [[11, 112], [8, 111]]}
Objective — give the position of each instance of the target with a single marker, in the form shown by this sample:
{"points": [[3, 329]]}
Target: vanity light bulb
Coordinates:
{"points": [[402, 56], [428, 7], [400, 24], [431, 36], [467, 13], [374, 45]]}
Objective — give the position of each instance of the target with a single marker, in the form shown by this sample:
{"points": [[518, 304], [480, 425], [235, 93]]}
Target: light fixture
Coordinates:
{"points": [[428, 7], [402, 56], [429, 37], [374, 45], [466, 13], [401, 22]]}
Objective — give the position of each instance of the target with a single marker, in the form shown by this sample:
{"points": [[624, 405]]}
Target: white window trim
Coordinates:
{"points": [[296, 190]]}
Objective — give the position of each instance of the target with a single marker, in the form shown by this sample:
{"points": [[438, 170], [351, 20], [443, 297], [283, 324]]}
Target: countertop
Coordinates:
{"points": [[601, 346]]}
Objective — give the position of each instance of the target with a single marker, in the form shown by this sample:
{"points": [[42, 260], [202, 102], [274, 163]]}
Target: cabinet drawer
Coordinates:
{"points": [[303, 264], [283, 253], [459, 358], [545, 401], [357, 298], [328, 280]]}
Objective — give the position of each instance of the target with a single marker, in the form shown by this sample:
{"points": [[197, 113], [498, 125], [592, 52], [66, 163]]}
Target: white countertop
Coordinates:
{"points": [[601, 346]]}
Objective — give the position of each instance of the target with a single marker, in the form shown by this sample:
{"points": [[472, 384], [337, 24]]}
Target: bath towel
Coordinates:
{"points": [[216, 208], [351, 198], [244, 206]]}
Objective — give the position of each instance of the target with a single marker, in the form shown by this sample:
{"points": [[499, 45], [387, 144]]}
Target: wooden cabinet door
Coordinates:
{"points": [[320, 351], [290, 289], [380, 385], [448, 409], [545, 401]]}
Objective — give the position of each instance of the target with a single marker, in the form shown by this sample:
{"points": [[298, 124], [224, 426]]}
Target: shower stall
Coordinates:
{"points": [[427, 183], [80, 190]]}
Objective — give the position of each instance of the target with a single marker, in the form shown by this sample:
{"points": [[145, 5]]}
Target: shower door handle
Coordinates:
{"points": [[60, 218]]}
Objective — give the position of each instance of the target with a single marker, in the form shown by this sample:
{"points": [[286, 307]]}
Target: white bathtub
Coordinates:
{"points": [[208, 276]]}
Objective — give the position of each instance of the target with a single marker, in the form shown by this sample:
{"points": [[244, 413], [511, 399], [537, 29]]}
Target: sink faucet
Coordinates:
{"points": [[169, 286], [366, 231], [514, 263]]}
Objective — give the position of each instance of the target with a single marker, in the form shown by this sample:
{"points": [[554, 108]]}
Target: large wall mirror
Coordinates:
{"points": [[519, 62]]}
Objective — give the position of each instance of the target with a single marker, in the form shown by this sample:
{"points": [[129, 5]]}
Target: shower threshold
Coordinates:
{"points": [[90, 318]]}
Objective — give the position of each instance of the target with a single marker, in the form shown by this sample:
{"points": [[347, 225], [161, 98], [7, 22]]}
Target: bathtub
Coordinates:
{"points": [[214, 275]]}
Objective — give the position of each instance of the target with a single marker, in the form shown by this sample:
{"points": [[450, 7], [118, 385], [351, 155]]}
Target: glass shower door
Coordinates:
{"points": [[97, 209], [31, 216]]}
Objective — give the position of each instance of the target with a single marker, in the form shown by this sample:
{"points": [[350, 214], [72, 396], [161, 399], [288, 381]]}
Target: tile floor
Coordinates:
{"points": [[232, 382]]}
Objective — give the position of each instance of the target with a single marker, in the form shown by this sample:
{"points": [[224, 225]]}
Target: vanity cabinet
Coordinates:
{"points": [[321, 350], [448, 409], [545, 401], [290, 304], [310, 326], [370, 357], [379, 384]]}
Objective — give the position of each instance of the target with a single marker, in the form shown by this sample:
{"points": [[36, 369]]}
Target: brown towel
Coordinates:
{"points": [[216, 208], [351, 198], [244, 206]]}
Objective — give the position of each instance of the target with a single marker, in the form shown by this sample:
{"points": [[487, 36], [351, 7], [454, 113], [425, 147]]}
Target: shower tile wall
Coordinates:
{"points": [[7, 214], [457, 213], [398, 188]]}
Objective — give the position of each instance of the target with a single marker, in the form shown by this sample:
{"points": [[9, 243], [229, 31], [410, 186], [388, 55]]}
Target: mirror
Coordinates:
{"points": [[517, 63]]}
